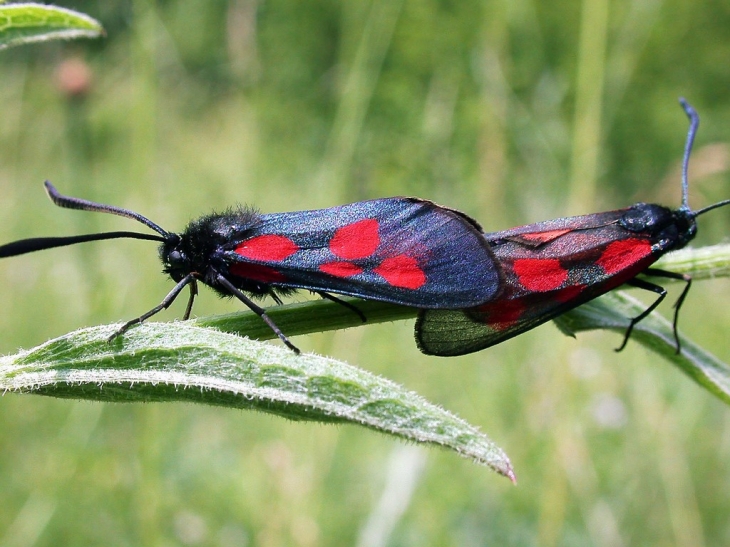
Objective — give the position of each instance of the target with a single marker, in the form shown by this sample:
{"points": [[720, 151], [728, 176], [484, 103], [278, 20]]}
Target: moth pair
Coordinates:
{"points": [[474, 289]]}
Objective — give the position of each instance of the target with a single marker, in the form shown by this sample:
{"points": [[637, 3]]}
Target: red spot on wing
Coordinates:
{"points": [[357, 240], [622, 254], [402, 271], [340, 269], [569, 293], [540, 275], [501, 315], [257, 272], [267, 248], [544, 237]]}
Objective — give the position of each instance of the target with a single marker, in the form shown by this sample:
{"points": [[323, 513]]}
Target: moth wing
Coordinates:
{"points": [[401, 250]]}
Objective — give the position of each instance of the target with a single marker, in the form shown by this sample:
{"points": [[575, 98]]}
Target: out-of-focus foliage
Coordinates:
{"points": [[512, 111]]}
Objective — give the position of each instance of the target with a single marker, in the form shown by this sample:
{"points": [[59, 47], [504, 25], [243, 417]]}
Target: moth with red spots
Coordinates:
{"points": [[551, 267], [405, 251]]}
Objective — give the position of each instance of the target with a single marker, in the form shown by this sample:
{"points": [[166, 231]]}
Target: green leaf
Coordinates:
{"points": [[27, 23], [178, 362], [613, 311]]}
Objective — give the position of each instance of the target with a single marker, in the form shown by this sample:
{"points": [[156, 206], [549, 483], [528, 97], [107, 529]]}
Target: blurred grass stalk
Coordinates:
{"points": [[590, 78], [355, 93]]}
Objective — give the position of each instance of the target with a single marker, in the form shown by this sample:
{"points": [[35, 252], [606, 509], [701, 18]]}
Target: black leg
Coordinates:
{"points": [[193, 293], [351, 307], [166, 302], [661, 291], [678, 304], [258, 310], [641, 284]]}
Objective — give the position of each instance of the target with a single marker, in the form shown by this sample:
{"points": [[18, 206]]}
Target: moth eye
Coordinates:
{"points": [[175, 256]]}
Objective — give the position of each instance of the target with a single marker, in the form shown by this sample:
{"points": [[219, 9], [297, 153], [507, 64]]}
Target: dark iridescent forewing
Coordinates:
{"points": [[401, 250]]}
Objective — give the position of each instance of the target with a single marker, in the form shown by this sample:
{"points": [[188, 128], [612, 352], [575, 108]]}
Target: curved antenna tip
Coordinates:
{"points": [[50, 189], [688, 109], [84, 205]]}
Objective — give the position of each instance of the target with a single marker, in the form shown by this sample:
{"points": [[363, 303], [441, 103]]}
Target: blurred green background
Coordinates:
{"points": [[513, 111]]}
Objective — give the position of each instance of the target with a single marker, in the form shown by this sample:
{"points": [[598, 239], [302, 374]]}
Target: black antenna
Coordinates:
{"points": [[694, 123], [24, 246]]}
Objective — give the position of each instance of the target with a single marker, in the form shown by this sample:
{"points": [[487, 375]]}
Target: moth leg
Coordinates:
{"points": [[258, 310], [343, 303], [662, 292], [193, 293], [678, 304], [166, 302], [641, 284]]}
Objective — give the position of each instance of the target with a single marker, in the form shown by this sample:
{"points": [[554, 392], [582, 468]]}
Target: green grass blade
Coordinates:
{"points": [[702, 263], [27, 23], [308, 317], [159, 362]]}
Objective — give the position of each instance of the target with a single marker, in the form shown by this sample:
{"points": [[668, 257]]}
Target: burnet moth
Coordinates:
{"points": [[551, 267], [405, 251]]}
